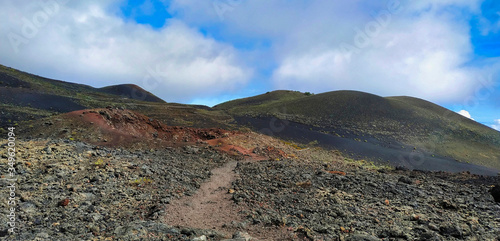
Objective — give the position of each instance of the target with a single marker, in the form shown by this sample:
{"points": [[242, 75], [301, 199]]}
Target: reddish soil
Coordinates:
{"points": [[124, 128], [113, 127], [224, 145]]}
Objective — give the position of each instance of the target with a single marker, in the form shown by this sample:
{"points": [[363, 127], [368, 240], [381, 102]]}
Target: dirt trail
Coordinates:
{"points": [[209, 208]]}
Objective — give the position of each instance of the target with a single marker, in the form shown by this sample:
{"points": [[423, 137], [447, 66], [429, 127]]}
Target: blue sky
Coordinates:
{"points": [[210, 51]]}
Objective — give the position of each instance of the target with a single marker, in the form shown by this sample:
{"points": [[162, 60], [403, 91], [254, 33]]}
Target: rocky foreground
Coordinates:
{"points": [[319, 202], [75, 191]]}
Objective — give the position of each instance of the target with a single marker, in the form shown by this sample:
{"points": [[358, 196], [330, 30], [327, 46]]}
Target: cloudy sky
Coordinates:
{"points": [[210, 51]]}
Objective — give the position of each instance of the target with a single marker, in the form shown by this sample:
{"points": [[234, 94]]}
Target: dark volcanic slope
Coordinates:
{"points": [[131, 91], [395, 154], [25, 97], [403, 121]]}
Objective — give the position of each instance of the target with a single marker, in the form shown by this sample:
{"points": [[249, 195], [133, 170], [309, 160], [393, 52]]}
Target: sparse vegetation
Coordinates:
{"points": [[313, 143], [99, 163], [294, 145], [141, 181]]}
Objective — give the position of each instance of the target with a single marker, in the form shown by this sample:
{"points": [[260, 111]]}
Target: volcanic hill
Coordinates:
{"points": [[25, 97], [387, 129]]}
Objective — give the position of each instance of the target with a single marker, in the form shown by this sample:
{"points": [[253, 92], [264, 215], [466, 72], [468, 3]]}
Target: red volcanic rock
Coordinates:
{"points": [[337, 173], [115, 127], [64, 202]]}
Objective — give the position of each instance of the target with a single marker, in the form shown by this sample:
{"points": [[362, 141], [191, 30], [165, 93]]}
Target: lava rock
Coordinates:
{"points": [[406, 180], [495, 192], [361, 237]]}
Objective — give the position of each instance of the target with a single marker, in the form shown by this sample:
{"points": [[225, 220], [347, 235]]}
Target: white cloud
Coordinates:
{"points": [[423, 56], [466, 114], [496, 126], [423, 50], [85, 42]]}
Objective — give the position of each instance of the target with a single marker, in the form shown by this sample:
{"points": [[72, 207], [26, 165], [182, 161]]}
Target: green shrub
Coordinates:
{"points": [[141, 181], [99, 163]]}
